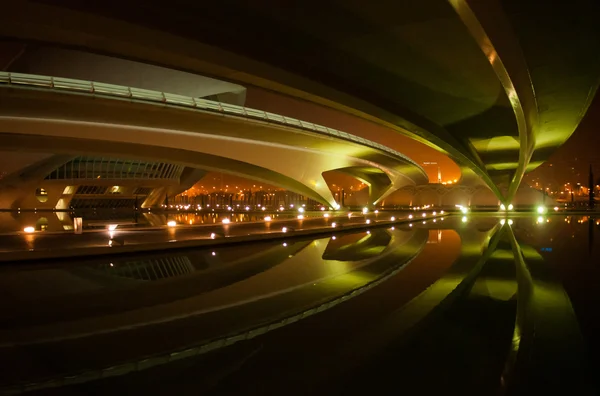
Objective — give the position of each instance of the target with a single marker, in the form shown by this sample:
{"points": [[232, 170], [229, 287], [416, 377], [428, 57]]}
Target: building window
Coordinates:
{"points": [[114, 168], [143, 191], [41, 195], [91, 190]]}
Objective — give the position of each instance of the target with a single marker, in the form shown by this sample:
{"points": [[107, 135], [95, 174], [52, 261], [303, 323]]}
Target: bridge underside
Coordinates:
{"points": [[291, 159], [496, 86]]}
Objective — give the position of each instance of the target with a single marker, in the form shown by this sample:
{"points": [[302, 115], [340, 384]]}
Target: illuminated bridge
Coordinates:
{"points": [[66, 115], [497, 86]]}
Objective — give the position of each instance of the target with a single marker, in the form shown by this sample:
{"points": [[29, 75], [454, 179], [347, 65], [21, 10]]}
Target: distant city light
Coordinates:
{"points": [[464, 219], [112, 227], [368, 222], [267, 218], [226, 221], [171, 223], [393, 218], [365, 210], [212, 235], [510, 207], [301, 210], [326, 215], [410, 216], [300, 217], [29, 229], [541, 209], [284, 229], [333, 225], [502, 207]]}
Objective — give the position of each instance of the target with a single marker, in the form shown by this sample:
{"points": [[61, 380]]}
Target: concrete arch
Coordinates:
{"points": [[205, 162], [288, 157]]}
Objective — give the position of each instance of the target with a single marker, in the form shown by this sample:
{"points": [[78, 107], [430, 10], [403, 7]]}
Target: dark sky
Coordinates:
{"points": [[570, 163]]}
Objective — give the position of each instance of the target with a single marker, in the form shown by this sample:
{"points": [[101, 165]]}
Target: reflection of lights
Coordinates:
{"points": [[333, 237], [393, 218], [540, 219], [368, 221], [510, 222], [541, 209], [213, 235], [284, 229], [29, 229], [226, 221], [214, 253], [267, 218], [368, 232], [112, 227], [111, 264], [510, 206], [284, 244], [300, 217], [410, 216], [365, 210], [393, 228], [171, 223], [464, 219], [333, 225]]}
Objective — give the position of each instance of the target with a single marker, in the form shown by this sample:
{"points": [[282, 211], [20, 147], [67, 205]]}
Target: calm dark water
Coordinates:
{"points": [[475, 305]]}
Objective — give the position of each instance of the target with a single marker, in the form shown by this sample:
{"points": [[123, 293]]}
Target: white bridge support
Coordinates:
{"points": [[281, 155]]}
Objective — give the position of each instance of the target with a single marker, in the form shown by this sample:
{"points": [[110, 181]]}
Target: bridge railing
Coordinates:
{"points": [[103, 89]]}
